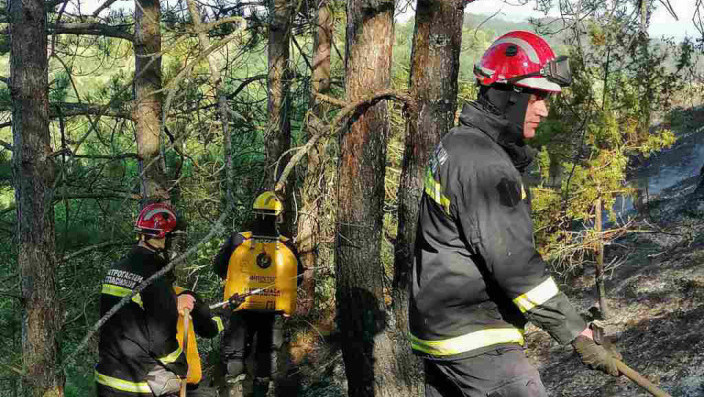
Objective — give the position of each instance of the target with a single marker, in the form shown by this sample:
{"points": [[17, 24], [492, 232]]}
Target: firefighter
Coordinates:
{"points": [[139, 354], [203, 323], [261, 258], [477, 277]]}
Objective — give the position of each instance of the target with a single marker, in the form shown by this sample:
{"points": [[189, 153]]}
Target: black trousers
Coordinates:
{"points": [[505, 372], [237, 342]]}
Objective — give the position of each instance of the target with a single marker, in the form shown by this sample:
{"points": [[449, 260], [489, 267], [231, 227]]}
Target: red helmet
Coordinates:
{"points": [[523, 59], [156, 220]]}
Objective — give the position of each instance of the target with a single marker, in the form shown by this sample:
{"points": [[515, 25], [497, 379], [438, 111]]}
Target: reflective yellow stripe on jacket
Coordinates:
{"points": [[537, 296], [121, 384], [434, 190], [468, 342], [171, 357], [121, 292], [218, 321]]}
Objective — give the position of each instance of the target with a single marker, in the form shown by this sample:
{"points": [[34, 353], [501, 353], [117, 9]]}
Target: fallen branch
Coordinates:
{"points": [[92, 248], [347, 110]]}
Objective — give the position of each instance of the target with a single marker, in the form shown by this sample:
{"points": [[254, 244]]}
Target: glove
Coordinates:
{"points": [[235, 301], [597, 353]]}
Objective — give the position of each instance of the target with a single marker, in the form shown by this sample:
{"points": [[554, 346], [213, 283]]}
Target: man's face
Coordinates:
{"points": [[536, 111]]}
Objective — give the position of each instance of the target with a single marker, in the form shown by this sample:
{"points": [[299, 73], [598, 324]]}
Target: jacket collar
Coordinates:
{"points": [[505, 133]]}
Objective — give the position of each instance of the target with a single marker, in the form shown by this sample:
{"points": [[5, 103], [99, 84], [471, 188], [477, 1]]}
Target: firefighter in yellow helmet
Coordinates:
{"points": [[260, 258]]}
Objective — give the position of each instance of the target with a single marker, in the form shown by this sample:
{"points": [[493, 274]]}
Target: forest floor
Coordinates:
{"points": [[655, 297]]}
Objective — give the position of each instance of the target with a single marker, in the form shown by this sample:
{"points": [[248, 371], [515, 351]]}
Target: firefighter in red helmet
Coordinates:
{"points": [[477, 277], [139, 354]]}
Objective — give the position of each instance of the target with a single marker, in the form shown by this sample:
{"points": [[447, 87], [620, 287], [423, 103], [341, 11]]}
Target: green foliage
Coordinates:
{"points": [[59, 89], [594, 128], [584, 146]]}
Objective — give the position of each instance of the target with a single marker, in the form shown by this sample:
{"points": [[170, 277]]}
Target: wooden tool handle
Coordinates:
{"points": [[641, 380], [184, 382]]}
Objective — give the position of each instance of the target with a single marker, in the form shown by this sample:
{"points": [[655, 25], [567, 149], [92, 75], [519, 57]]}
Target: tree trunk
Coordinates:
{"points": [[367, 350], [278, 106], [216, 82], [434, 69], [33, 179], [309, 225], [147, 109]]}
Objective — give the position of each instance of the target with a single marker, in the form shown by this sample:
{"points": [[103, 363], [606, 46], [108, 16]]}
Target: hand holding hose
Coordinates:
{"points": [[235, 301]]}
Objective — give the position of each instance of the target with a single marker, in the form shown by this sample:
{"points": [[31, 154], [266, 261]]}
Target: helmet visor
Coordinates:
{"points": [[558, 71], [555, 70]]}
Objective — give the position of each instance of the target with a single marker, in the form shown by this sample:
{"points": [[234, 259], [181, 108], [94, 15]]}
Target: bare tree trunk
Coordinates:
{"points": [[147, 109], [362, 317], [216, 82], [278, 106], [309, 225], [434, 69], [33, 178]]}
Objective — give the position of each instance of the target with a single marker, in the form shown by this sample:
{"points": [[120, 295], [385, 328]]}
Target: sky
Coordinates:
{"points": [[661, 23]]}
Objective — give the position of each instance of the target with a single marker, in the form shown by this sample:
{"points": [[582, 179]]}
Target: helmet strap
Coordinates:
{"points": [[145, 240], [511, 105], [508, 102]]}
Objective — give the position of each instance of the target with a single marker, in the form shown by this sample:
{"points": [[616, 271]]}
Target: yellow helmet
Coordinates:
{"points": [[267, 203]]}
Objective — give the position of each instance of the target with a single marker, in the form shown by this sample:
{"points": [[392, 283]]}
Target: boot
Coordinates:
{"points": [[234, 386], [261, 387]]}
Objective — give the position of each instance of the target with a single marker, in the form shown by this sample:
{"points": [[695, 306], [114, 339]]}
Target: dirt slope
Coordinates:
{"points": [[656, 298]]}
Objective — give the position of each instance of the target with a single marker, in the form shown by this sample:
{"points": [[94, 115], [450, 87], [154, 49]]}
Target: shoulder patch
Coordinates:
{"points": [[438, 158], [510, 192]]}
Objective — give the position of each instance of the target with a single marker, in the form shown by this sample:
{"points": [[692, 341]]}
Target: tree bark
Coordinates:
{"points": [[309, 227], [362, 318], [434, 69], [147, 109], [33, 174], [216, 82], [278, 106]]}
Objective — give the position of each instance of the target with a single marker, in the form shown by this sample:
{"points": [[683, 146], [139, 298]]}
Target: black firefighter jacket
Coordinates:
{"points": [[142, 334], [477, 278]]}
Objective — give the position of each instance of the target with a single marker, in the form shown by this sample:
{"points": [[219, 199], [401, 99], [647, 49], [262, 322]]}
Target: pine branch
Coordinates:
{"points": [[87, 28], [92, 28], [321, 129], [69, 109], [93, 248]]}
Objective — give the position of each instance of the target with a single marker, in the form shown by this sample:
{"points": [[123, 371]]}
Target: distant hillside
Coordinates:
{"points": [[496, 25]]}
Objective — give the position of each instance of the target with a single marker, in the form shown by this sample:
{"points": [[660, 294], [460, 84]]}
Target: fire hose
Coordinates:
{"points": [[184, 381], [640, 380], [245, 295]]}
